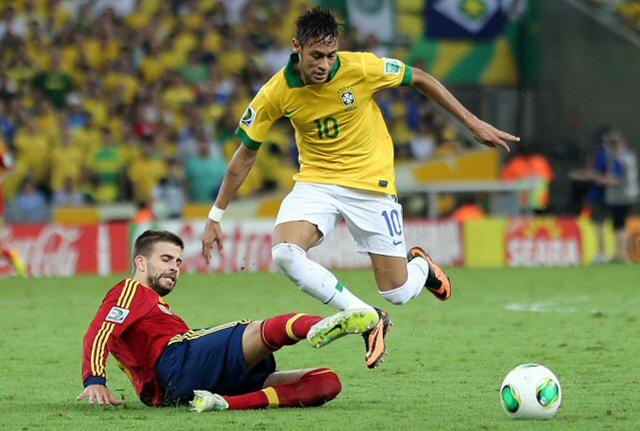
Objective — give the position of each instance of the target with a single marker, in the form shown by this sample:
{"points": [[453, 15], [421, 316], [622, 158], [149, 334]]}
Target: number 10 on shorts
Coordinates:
{"points": [[394, 222]]}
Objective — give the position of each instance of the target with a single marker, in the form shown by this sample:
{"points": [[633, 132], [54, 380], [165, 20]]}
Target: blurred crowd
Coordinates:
{"points": [[127, 100], [627, 10]]}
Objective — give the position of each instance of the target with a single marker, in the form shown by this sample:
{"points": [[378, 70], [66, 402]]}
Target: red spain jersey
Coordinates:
{"points": [[134, 324]]}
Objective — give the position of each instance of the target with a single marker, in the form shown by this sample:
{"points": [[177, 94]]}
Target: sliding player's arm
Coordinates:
{"points": [[118, 311], [99, 394]]}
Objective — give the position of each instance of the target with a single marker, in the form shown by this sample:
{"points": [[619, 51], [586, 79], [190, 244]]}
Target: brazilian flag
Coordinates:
{"points": [[485, 42]]}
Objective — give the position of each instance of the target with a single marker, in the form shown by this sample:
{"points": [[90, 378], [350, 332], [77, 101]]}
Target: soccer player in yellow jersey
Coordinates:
{"points": [[6, 170], [346, 169]]}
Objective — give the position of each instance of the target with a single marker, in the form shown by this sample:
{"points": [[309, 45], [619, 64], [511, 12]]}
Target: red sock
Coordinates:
{"points": [[6, 253], [313, 389], [286, 329]]}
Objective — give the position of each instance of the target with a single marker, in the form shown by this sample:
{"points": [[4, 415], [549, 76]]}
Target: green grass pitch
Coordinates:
{"points": [[445, 365]]}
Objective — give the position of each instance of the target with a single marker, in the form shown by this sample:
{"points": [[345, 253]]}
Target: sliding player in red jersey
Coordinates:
{"points": [[227, 367]]}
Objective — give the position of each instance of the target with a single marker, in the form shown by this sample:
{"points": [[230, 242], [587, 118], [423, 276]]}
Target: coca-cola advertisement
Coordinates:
{"points": [[63, 250]]}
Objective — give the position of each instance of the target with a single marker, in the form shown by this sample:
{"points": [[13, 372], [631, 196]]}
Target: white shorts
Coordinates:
{"points": [[373, 219]]}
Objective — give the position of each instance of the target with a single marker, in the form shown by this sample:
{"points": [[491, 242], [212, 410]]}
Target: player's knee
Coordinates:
{"points": [[329, 385], [285, 256], [397, 296]]}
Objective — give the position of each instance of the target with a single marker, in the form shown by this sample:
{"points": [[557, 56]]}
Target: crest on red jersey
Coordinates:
{"points": [[117, 315]]}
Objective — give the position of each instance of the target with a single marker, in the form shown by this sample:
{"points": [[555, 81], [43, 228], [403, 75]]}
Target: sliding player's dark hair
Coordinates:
{"points": [[145, 242], [317, 25]]}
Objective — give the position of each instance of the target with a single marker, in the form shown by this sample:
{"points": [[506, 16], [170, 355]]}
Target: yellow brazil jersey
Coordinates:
{"points": [[341, 135]]}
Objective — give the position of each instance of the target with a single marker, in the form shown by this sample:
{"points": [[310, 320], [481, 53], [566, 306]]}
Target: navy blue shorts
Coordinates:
{"points": [[209, 359]]}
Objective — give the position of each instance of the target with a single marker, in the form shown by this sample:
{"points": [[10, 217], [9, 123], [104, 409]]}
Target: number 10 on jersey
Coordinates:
{"points": [[327, 128]]}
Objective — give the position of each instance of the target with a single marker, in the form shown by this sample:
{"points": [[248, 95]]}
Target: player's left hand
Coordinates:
{"points": [[99, 394], [488, 135]]}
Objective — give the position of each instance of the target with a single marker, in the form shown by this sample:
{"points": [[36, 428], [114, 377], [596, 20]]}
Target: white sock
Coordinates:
{"points": [[418, 271], [313, 278]]}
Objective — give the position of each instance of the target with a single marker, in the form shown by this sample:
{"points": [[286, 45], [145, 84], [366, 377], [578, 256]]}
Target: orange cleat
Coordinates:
{"points": [[374, 340], [438, 281]]}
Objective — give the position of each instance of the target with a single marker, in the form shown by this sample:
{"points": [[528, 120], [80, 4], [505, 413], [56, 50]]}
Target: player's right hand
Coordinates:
{"points": [[212, 235], [99, 394], [490, 136]]}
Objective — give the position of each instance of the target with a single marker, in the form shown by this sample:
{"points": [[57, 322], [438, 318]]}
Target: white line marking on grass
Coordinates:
{"points": [[564, 305]]}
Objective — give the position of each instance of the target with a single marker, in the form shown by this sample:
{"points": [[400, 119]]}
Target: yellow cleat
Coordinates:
{"points": [[18, 264], [352, 321], [205, 401]]}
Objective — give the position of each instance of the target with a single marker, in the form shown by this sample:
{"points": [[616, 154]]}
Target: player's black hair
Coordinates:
{"points": [[145, 242], [317, 25]]}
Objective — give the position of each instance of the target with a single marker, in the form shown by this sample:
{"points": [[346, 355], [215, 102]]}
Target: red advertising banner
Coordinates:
{"points": [[543, 241], [60, 250], [247, 245], [441, 239]]}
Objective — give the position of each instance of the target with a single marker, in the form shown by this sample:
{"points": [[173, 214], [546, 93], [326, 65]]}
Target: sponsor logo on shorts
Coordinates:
{"points": [[397, 242], [117, 315]]}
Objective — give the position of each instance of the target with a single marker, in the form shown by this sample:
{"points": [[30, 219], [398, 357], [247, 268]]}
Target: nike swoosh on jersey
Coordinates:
{"points": [[397, 242], [290, 111]]}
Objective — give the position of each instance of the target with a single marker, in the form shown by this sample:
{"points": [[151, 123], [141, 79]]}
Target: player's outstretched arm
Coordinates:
{"points": [[99, 394], [237, 171], [483, 132]]}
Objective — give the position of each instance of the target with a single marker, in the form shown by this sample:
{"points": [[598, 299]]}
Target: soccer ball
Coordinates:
{"points": [[530, 391]]}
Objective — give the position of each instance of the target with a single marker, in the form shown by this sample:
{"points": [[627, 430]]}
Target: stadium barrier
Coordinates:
{"points": [[247, 245], [104, 248]]}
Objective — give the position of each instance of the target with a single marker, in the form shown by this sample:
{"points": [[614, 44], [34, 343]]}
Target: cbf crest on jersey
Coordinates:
{"points": [[348, 98]]}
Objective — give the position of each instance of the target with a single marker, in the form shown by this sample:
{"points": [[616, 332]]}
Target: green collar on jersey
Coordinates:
{"points": [[293, 76]]}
